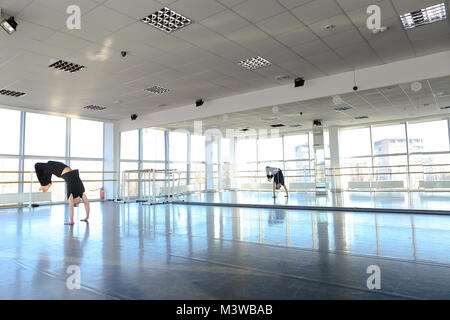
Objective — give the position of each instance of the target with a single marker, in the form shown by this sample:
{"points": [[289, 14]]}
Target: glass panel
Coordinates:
{"points": [[92, 189], [393, 168], [198, 175], [9, 165], [428, 136], [389, 139], [296, 147], [299, 171], [245, 150], [86, 139], [133, 187], [270, 149], [178, 147], [153, 144], [9, 127], [45, 135], [225, 150], [354, 142], [58, 189], [198, 152], [429, 168], [129, 145]]}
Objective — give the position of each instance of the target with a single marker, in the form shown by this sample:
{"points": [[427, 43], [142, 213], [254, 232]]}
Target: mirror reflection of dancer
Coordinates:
{"points": [[75, 188], [278, 179]]}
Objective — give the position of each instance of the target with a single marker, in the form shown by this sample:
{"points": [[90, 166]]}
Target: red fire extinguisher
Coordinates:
{"points": [[102, 194]]}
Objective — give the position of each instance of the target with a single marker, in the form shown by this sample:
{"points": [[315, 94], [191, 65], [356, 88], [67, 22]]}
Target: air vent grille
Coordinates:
{"points": [[157, 90], [94, 107], [66, 66], [255, 63], [11, 93]]}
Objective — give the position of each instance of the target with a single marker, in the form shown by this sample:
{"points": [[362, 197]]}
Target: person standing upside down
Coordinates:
{"points": [[278, 179], [75, 188]]}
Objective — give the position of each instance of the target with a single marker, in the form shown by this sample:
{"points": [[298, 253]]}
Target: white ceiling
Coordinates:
{"points": [[383, 104], [199, 60]]}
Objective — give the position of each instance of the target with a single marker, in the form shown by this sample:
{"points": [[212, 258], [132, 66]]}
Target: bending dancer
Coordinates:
{"points": [[278, 179], [75, 188]]}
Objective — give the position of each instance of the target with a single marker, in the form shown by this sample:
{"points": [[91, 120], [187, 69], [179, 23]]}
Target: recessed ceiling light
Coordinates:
{"points": [[269, 119], [9, 25], [425, 16], [66, 66], [442, 94], [277, 125], [343, 108], [11, 93], [94, 107], [446, 107], [167, 20], [295, 125], [157, 90], [255, 63], [361, 117]]}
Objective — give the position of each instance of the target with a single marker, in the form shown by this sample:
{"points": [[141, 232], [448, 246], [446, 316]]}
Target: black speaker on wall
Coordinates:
{"points": [[299, 82]]}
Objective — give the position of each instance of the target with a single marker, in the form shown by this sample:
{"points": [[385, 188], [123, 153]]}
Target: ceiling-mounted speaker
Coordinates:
{"points": [[299, 82], [199, 102]]}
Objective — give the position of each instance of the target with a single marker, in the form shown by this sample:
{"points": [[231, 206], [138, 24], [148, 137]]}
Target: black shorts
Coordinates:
{"points": [[278, 178]]}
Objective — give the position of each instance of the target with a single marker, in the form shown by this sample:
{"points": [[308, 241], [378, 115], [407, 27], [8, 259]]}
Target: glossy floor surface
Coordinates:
{"points": [[132, 251], [391, 200]]}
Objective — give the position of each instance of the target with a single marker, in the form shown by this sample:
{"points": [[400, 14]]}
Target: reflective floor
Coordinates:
{"points": [[131, 251], [391, 200]]}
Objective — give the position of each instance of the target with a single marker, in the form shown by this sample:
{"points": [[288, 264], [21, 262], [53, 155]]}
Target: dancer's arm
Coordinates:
{"points": [[86, 207], [287, 193]]}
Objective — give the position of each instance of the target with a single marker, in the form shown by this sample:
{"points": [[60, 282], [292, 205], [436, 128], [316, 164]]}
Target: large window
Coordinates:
{"points": [[153, 144], [86, 139], [428, 136], [129, 145], [354, 142], [45, 139], [389, 139], [45, 135], [198, 148], [9, 131], [177, 147]]}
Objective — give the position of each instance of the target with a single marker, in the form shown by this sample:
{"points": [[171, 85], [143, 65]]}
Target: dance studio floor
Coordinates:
{"points": [[391, 200], [132, 251]]}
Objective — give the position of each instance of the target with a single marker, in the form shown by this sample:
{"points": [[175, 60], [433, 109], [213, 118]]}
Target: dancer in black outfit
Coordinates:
{"points": [[278, 179], [75, 188]]}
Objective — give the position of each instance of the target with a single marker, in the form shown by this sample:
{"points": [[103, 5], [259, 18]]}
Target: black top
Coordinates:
{"points": [[56, 168], [74, 184]]}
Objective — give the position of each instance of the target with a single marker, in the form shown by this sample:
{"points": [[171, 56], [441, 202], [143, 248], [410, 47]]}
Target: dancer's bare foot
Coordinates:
{"points": [[85, 219], [45, 188], [69, 223]]}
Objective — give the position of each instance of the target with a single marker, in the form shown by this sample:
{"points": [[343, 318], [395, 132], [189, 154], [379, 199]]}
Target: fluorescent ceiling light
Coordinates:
{"points": [[343, 108], [425, 16], [361, 117], [254, 63], [167, 20]]}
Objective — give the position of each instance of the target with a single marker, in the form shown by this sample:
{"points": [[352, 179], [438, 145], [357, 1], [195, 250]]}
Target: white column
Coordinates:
{"points": [[334, 158], [209, 144]]}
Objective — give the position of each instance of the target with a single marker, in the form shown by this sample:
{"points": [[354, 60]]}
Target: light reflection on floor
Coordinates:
{"points": [[196, 252]]}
